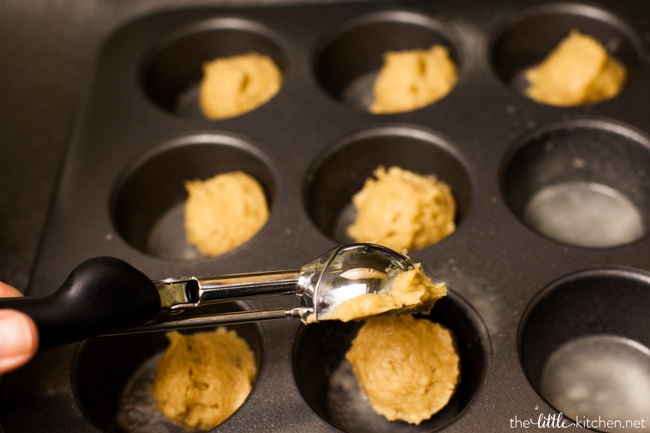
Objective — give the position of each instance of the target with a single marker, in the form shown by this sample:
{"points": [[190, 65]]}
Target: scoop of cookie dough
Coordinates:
{"points": [[234, 85], [577, 71], [412, 79], [408, 368], [410, 289], [224, 211], [203, 378], [403, 210]]}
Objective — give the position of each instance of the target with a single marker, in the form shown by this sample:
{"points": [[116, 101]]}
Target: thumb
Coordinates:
{"points": [[18, 339]]}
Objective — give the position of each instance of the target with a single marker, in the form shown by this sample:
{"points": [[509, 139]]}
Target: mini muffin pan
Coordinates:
{"points": [[548, 270]]}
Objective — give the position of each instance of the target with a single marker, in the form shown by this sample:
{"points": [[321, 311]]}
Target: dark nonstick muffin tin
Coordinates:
{"points": [[527, 283]]}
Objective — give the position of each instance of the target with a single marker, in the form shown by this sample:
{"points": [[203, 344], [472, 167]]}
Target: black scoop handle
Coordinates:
{"points": [[101, 295]]}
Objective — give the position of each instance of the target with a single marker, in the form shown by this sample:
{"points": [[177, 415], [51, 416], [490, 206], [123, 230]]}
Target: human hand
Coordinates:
{"points": [[18, 334]]}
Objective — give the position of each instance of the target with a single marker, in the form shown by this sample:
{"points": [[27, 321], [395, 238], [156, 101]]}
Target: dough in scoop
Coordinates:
{"points": [[403, 290]]}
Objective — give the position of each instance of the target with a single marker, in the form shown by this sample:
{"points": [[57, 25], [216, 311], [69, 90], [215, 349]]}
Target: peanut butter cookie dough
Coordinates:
{"points": [[578, 71], [412, 79], [224, 211], [234, 85], [404, 289], [203, 378], [403, 210], [408, 368]]}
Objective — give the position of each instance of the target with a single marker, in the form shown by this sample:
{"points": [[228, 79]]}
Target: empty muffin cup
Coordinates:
{"points": [[149, 199], [112, 377], [172, 73], [328, 385], [585, 346], [342, 169], [531, 34], [582, 182], [350, 59]]}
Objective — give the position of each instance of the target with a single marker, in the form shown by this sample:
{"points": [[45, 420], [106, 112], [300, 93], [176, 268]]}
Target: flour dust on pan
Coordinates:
{"points": [[580, 182], [327, 382], [586, 214], [137, 411], [585, 346], [600, 377]]}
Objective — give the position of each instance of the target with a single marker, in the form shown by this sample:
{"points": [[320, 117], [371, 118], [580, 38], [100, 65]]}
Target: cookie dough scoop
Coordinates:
{"points": [[107, 296]]}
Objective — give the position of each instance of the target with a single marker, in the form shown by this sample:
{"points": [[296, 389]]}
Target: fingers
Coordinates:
{"points": [[6, 291], [18, 334], [18, 339]]}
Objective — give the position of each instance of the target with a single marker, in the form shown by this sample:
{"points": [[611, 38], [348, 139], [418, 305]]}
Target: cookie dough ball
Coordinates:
{"points": [[403, 210], [402, 290], [408, 368], [224, 211], [412, 79], [203, 378], [234, 85], [578, 71]]}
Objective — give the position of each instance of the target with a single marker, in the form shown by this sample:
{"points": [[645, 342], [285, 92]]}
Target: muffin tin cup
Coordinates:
{"points": [[582, 182], [140, 136], [532, 33], [342, 169], [584, 344], [173, 71], [113, 376], [350, 58], [149, 201], [326, 381]]}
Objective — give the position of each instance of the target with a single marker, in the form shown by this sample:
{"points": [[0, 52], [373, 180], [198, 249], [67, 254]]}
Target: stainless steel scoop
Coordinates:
{"points": [[105, 296]]}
